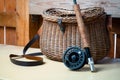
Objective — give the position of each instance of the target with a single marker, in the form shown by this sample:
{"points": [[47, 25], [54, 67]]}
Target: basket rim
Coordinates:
{"points": [[68, 16]]}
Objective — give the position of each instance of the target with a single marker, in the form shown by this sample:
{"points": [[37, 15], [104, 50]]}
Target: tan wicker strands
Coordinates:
{"points": [[68, 16], [53, 42]]}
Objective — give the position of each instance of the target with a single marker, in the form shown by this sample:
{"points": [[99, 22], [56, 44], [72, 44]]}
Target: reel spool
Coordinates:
{"points": [[74, 58]]}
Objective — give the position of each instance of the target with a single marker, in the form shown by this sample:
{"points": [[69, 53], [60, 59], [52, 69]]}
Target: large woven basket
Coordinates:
{"points": [[53, 42]]}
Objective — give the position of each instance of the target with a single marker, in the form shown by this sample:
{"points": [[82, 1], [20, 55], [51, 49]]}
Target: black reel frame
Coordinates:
{"points": [[74, 58]]}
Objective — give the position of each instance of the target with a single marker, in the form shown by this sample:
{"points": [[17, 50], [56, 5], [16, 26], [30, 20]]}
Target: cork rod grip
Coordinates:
{"points": [[81, 25]]}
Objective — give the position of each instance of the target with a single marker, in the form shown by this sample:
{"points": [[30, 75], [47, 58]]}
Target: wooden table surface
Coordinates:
{"points": [[51, 70], [111, 6]]}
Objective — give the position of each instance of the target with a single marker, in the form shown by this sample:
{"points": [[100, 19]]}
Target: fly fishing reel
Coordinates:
{"points": [[75, 58]]}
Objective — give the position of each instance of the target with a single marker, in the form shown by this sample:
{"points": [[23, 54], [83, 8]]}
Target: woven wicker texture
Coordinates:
{"points": [[54, 42], [68, 16]]}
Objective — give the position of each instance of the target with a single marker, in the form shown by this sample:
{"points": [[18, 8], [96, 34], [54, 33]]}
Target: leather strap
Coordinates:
{"points": [[32, 56]]}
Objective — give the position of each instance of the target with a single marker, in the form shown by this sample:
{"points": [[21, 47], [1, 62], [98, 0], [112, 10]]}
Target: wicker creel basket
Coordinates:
{"points": [[54, 42]]}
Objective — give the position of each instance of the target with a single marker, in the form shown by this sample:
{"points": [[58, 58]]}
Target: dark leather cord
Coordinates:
{"points": [[35, 60]]}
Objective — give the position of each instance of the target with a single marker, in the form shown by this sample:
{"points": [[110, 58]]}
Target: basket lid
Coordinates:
{"points": [[68, 16]]}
